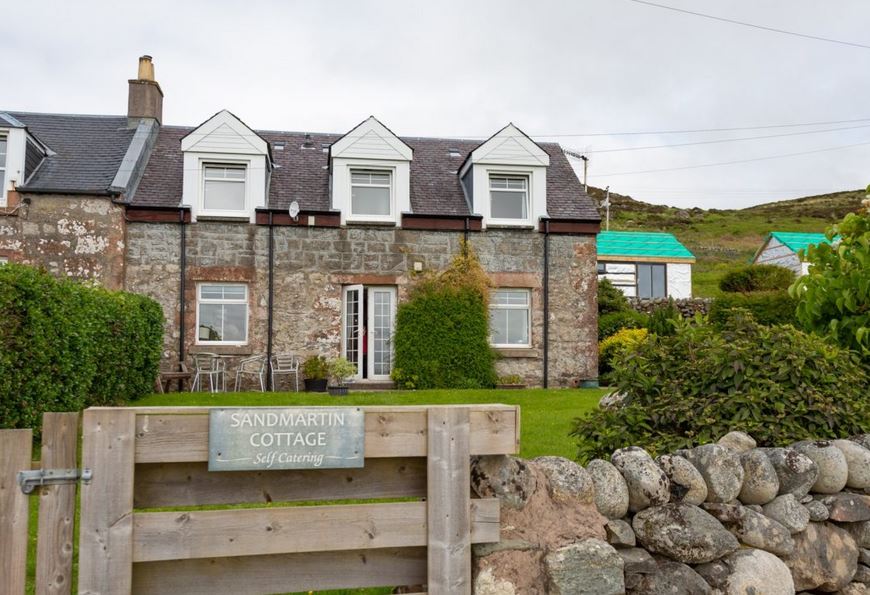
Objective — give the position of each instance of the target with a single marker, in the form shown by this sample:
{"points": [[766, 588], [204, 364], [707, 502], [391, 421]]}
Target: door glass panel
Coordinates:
{"points": [[352, 310], [658, 281], [382, 332]]}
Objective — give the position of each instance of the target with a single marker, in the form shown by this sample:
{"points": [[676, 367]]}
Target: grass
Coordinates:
{"points": [[545, 422]]}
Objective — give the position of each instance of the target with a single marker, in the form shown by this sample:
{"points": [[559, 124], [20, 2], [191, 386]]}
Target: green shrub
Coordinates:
{"points": [[65, 346], [767, 307], [612, 322], [315, 367], [663, 318], [616, 344], [776, 383], [442, 330], [756, 277], [834, 298], [610, 298]]}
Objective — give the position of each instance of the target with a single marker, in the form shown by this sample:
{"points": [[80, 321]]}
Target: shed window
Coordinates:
{"points": [[509, 196], [371, 193], [510, 318], [223, 187], [222, 314], [651, 281]]}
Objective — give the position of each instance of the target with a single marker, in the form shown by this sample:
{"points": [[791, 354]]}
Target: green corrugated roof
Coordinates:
{"points": [[642, 243], [799, 241]]}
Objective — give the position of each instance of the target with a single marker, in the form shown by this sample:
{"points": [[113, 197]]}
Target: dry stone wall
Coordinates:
{"points": [[729, 518]]}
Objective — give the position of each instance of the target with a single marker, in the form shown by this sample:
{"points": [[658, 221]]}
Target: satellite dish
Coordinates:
{"points": [[294, 210]]}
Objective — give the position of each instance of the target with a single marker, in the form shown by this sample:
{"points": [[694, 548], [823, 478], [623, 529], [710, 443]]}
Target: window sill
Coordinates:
{"points": [[232, 218], [222, 349], [511, 225], [372, 222], [517, 352]]}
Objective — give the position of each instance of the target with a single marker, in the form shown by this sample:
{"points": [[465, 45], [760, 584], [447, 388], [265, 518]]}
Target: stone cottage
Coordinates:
{"points": [[263, 242]]}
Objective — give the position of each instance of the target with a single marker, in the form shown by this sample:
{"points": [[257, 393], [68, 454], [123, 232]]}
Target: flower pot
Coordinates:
{"points": [[315, 385], [338, 391]]}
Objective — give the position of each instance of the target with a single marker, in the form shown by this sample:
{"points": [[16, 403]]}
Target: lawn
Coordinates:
{"points": [[545, 422]]}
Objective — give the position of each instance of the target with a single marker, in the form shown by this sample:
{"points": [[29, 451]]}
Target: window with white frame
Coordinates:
{"points": [[2, 162], [509, 197], [371, 193], [223, 187], [222, 314], [510, 318]]}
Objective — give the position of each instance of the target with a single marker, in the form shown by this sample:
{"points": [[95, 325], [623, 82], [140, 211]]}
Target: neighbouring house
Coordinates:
{"points": [[645, 265], [783, 248], [264, 242]]}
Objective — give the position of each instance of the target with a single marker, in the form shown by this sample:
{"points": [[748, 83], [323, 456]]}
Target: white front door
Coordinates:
{"points": [[381, 322], [352, 327]]}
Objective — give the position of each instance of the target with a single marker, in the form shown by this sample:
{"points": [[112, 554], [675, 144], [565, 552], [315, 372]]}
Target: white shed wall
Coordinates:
{"points": [[679, 275]]}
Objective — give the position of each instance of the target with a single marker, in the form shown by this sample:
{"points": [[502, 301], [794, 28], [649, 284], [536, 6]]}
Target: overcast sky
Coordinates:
{"points": [[441, 68]]}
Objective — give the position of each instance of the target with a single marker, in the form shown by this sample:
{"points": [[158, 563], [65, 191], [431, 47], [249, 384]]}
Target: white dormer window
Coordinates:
{"points": [[2, 169], [371, 193], [223, 187], [509, 196]]}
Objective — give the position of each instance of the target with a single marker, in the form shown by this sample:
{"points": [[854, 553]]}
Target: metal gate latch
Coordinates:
{"points": [[30, 480]]}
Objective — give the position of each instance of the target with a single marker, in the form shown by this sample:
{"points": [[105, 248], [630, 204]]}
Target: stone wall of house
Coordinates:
{"points": [[312, 265], [80, 237], [719, 519]]}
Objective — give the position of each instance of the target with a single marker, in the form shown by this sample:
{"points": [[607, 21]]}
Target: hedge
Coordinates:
{"points": [[65, 346], [767, 307], [757, 277]]}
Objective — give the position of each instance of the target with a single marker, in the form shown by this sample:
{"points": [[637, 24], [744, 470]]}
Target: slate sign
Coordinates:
{"points": [[285, 438]]}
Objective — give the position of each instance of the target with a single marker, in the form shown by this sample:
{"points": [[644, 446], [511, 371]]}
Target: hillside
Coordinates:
{"points": [[722, 239]]}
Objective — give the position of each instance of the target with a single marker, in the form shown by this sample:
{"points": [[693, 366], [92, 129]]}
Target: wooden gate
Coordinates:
{"points": [[156, 458]]}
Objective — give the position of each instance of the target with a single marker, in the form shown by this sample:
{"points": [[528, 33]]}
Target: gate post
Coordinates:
{"points": [[449, 500], [15, 451], [106, 533]]}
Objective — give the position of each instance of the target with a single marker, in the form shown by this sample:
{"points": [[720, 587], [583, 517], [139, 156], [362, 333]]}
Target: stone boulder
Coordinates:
{"points": [[752, 528], [760, 482], [858, 463], [818, 511], [687, 483], [737, 442], [847, 507], [796, 472], [590, 566], [748, 572], [854, 589], [684, 533], [825, 558], [611, 492], [507, 478], [636, 561], [647, 483], [486, 583], [833, 469], [860, 532], [721, 470], [620, 533], [670, 578], [862, 439], [567, 480], [788, 512]]}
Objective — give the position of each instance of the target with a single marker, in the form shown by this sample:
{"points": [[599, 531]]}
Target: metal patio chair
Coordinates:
{"points": [[211, 366], [252, 366], [285, 364]]}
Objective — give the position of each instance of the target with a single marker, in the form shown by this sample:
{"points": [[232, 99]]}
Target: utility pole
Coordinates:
{"points": [[606, 206]]}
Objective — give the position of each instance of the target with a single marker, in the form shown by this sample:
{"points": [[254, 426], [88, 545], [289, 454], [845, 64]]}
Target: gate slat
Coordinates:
{"points": [[254, 575], [106, 533], [191, 484], [449, 502], [252, 532], [16, 448], [54, 546]]}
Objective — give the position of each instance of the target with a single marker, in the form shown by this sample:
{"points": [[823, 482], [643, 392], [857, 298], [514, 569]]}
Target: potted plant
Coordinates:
{"points": [[316, 371], [340, 370], [510, 381]]}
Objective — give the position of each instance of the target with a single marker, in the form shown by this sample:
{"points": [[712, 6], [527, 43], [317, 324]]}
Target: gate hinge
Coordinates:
{"points": [[30, 480]]}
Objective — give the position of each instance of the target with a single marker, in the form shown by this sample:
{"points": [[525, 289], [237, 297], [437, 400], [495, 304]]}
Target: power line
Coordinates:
{"points": [[721, 163], [753, 25], [723, 140]]}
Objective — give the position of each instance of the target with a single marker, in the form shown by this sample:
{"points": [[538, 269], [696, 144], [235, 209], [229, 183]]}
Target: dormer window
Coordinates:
{"points": [[3, 163], [223, 187], [509, 196], [371, 193]]}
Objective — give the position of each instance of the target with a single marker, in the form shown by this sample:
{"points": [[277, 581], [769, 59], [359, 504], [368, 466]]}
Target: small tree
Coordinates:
{"points": [[442, 330], [834, 298]]}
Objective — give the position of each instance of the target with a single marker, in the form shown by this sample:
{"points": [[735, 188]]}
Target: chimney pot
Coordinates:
{"points": [[145, 99]]}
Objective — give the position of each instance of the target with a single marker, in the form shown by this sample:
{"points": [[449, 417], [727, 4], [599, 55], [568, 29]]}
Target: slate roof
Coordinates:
{"points": [[628, 244], [796, 241], [301, 174], [87, 151]]}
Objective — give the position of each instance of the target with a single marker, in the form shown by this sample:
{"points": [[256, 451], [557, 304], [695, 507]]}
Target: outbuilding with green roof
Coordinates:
{"points": [[784, 248], [646, 265]]}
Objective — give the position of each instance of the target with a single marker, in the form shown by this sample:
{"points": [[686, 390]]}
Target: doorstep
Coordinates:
{"points": [[371, 385]]}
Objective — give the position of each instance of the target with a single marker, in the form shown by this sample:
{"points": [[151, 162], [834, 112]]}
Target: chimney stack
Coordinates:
{"points": [[145, 99]]}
